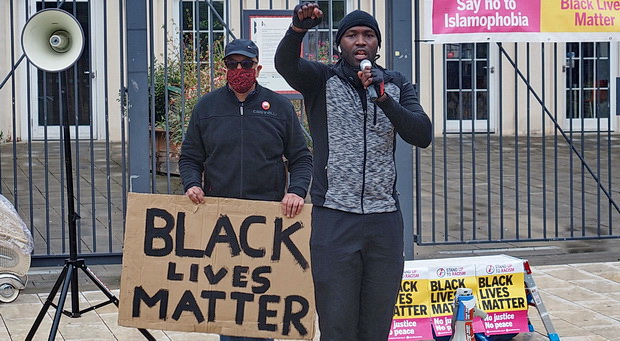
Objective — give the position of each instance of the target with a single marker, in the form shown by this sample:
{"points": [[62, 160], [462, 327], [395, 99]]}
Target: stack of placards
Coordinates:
{"points": [[426, 296]]}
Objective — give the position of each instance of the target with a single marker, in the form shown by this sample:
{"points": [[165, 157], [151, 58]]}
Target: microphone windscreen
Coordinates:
{"points": [[365, 63]]}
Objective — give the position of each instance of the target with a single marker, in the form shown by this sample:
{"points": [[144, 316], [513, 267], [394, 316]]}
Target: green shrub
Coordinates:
{"points": [[179, 86]]}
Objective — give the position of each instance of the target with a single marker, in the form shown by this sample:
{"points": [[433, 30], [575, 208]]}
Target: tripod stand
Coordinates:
{"points": [[69, 275], [53, 41]]}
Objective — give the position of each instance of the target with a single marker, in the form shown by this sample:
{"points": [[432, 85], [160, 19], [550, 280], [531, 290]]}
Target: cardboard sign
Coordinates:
{"points": [[230, 267]]}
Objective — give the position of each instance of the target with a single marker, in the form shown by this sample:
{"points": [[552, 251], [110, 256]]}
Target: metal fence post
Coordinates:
{"points": [[138, 96], [398, 27]]}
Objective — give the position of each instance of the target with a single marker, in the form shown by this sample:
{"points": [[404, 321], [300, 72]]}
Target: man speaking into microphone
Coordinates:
{"points": [[354, 115]]}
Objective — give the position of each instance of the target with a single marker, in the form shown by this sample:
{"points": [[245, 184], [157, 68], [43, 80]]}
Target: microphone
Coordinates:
{"points": [[372, 92]]}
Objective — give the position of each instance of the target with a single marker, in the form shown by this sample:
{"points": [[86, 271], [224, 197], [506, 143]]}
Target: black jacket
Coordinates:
{"points": [[353, 138], [235, 149]]}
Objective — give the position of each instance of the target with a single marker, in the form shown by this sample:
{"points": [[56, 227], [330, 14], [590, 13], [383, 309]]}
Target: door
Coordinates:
{"points": [[79, 81], [588, 86]]}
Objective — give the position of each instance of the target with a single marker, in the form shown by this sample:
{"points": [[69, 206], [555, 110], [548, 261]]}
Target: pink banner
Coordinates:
{"points": [[484, 16]]}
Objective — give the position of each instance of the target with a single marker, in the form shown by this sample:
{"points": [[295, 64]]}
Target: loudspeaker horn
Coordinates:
{"points": [[52, 40]]}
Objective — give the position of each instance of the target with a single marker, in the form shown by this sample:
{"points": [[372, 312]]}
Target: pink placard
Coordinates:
{"points": [[485, 16], [509, 322], [411, 329]]}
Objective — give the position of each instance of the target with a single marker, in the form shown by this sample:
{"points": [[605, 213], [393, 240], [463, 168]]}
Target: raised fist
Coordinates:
{"points": [[307, 15]]}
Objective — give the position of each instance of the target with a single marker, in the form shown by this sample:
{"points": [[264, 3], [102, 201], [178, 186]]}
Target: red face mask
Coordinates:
{"points": [[241, 80]]}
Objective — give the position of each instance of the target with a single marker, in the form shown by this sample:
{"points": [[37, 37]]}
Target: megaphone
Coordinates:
{"points": [[52, 40]]}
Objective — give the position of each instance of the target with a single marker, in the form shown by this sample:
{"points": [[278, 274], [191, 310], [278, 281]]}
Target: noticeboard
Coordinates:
{"points": [[266, 28]]}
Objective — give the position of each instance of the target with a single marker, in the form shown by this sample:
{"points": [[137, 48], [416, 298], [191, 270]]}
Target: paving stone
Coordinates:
{"points": [[583, 302]]}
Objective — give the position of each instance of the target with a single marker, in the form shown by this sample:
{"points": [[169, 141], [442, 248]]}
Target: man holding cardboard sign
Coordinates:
{"points": [[238, 138]]}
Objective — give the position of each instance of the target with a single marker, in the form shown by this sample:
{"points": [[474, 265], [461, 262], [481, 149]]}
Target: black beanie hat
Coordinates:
{"points": [[357, 18]]}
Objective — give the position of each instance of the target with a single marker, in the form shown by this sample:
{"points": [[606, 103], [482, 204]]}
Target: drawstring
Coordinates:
{"points": [[374, 120]]}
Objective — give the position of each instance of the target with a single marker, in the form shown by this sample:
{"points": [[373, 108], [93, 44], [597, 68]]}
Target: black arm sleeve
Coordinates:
{"points": [[301, 74], [408, 117]]}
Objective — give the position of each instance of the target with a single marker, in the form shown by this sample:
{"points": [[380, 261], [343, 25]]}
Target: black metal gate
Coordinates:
{"points": [[535, 174]]}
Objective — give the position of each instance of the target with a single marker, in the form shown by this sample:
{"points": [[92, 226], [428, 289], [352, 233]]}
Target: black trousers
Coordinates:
{"points": [[357, 266]]}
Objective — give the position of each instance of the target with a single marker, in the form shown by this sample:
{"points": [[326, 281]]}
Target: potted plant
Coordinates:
{"points": [[178, 86]]}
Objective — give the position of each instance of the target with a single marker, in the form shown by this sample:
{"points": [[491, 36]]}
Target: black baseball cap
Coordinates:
{"points": [[243, 47]]}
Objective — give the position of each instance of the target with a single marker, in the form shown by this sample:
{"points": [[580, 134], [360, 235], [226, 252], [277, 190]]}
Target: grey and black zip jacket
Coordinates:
{"points": [[234, 149], [354, 139]]}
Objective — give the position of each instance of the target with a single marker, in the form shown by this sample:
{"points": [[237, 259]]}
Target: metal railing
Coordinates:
{"points": [[541, 181]]}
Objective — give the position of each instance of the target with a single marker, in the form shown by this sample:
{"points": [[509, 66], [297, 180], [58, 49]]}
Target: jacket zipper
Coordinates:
{"points": [[364, 100], [374, 105], [241, 156], [364, 164]]}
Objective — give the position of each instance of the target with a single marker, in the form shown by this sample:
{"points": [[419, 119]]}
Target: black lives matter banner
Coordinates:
{"points": [[230, 267]]}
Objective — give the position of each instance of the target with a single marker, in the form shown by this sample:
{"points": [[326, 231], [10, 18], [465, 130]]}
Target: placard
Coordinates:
{"points": [[426, 297], [444, 280], [501, 294], [228, 266], [412, 318]]}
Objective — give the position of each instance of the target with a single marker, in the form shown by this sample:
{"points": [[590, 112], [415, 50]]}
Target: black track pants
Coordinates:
{"points": [[357, 266]]}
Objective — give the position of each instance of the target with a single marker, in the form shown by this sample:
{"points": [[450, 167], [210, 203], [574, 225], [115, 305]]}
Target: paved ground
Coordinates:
{"points": [[41, 280], [579, 280], [583, 302]]}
